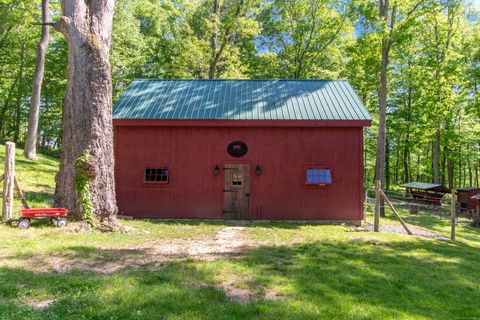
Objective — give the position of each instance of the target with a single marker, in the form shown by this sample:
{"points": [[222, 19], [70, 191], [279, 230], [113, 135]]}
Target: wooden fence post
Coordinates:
{"points": [[8, 182], [365, 206], [453, 215], [376, 215], [20, 194], [477, 217], [395, 212]]}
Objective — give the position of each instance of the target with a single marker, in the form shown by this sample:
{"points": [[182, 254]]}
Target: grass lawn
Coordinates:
{"points": [[277, 271]]}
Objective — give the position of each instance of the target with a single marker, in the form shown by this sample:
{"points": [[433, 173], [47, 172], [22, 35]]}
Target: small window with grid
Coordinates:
{"points": [[318, 176], [157, 175]]}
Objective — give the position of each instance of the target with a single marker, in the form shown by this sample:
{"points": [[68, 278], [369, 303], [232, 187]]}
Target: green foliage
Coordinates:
{"points": [[432, 87], [83, 180], [307, 37]]}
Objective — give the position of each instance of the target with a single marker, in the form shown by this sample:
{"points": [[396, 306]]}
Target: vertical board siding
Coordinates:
{"points": [[278, 193]]}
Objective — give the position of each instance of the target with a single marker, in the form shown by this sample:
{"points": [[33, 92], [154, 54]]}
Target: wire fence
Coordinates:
{"points": [[406, 202]]}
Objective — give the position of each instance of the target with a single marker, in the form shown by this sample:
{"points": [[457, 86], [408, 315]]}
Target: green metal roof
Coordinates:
{"points": [[420, 185], [240, 99]]}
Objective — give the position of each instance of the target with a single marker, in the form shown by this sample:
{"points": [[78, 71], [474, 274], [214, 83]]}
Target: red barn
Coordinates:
{"points": [[240, 149]]}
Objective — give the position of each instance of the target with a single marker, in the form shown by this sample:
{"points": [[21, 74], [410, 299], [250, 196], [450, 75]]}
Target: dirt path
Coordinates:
{"points": [[228, 242], [231, 238]]}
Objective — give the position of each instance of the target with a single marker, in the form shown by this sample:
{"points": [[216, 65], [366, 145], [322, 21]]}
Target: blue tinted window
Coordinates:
{"points": [[318, 176]]}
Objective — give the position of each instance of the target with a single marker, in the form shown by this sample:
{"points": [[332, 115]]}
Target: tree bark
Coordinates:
{"points": [[418, 167], [18, 110], [213, 40], [8, 182], [444, 154], [387, 164], [87, 114], [3, 111], [470, 175], [406, 151], [30, 151], [382, 103], [450, 169], [435, 157], [217, 54], [476, 174]]}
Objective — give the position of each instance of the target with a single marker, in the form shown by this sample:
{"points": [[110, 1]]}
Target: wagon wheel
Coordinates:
{"points": [[62, 222], [54, 221], [24, 224]]}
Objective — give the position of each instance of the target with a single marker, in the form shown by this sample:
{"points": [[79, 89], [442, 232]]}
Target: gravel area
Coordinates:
{"points": [[398, 228]]}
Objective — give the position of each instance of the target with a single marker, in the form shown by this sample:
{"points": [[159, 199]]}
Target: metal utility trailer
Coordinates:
{"points": [[58, 216]]}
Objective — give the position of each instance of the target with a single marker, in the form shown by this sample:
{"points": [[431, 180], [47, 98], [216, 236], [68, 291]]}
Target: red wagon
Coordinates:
{"points": [[58, 216]]}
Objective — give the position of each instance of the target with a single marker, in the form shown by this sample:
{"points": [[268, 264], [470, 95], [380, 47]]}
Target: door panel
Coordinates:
{"points": [[236, 191]]}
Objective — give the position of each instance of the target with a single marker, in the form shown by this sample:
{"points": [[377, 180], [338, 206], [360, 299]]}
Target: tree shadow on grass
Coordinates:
{"points": [[357, 279]]}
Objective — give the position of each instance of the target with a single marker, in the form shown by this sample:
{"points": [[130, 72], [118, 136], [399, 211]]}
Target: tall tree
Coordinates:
{"points": [[221, 25], [21, 79], [30, 151], [87, 114], [306, 36], [388, 19]]}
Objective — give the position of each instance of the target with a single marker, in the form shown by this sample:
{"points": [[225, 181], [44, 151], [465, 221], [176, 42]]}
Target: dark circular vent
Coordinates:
{"points": [[237, 149]]}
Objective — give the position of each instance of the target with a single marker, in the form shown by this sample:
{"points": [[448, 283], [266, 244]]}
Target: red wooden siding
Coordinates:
{"points": [[279, 192]]}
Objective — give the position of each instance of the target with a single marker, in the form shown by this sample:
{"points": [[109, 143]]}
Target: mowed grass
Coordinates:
{"points": [[299, 271]]}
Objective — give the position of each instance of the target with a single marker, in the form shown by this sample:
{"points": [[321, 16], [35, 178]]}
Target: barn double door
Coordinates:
{"points": [[236, 191]]}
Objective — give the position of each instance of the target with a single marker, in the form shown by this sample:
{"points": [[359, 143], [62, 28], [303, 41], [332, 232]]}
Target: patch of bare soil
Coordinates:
{"points": [[234, 292], [40, 304], [237, 289], [230, 241]]}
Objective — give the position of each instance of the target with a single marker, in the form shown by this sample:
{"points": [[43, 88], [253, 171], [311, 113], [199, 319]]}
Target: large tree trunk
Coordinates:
{"points": [[87, 115], [30, 151]]}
